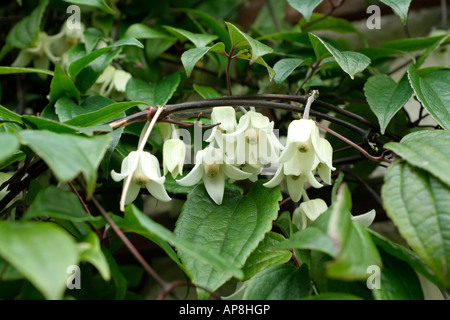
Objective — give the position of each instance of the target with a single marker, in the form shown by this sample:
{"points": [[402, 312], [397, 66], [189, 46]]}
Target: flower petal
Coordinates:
{"points": [[312, 180], [276, 179], [193, 176], [158, 191], [132, 193], [215, 186], [126, 167], [295, 187], [150, 165], [365, 219], [226, 116], [235, 173]]}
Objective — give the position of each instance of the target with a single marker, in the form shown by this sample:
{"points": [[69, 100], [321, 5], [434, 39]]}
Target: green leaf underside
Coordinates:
{"points": [[306, 8], [432, 91], [386, 97], [418, 205], [41, 251], [400, 7], [232, 230]]}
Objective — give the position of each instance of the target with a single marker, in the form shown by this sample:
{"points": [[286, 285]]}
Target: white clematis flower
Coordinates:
{"points": [[147, 174], [210, 166], [307, 212], [112, 82], [174, 151], [310, 210], [40, 55], [256, 143], [226, 116], [305, 152]]}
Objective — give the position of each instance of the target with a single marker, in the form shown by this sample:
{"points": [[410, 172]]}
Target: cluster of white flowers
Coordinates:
{"points": [[236, 151]]}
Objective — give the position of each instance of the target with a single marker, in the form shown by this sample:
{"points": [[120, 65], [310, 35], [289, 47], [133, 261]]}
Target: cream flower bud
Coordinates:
{"points": [[174, 151]]}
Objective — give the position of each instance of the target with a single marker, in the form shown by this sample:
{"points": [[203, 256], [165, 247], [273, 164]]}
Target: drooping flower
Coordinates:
{"points": [[146, 174], [256, 142], [225, 117], [307, 212], [174, 151], [41, 54], [213, 170], [310, 210], [112, 82], [304, 153]]}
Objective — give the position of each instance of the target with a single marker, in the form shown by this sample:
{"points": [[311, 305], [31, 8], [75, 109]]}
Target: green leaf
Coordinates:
{"points": [[418, 205], [310, 238], [284, 67], [103, 114], [153, 95], [9, 145], [231, 230], [398, 281], [142, 31], [386, 97], [62, 86], [432, 91], [41, 251], [68, 155], [267, 254], [306, 8], [413, 44], [55, 126], [91, 251], [400, 7], [352, 242], [59, 204], [428, 150], [240, 39], [25, 33], [13, 70], [279, 282], [321, 22], [76, 66], [206, 92], [215, 25], [99, 4], [190, 57], [8, 114], [198, 252], [349, 61], [67, 109], [198, 39]]}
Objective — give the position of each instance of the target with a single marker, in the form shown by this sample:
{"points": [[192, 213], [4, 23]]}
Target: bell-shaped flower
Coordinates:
{"points": [[307, 212], [256, 142], [211, 167], [146, 174], [174, 151], [112, 82], [304, 152], [310, 210], [41, 54], [225, 117]]}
